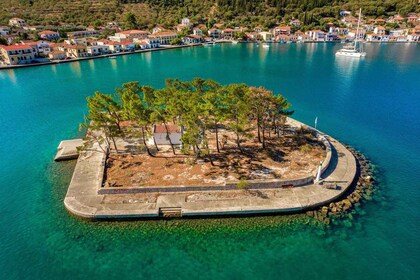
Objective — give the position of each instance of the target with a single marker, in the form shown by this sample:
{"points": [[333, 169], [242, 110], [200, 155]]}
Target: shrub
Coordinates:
{"points": [[242, 184], [305, 148]]}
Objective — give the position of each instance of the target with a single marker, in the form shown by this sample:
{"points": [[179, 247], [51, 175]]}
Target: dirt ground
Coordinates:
{"points": [[292, 155]]}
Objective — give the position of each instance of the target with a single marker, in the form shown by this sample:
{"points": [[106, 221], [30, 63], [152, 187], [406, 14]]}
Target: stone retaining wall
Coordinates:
{"points": [[253, 185]]}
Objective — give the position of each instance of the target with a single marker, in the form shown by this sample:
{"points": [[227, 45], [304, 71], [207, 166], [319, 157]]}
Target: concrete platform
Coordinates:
{"points": [[82, 198], [67, 149]]}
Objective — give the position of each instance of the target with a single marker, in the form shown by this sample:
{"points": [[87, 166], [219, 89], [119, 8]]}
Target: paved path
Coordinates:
{"points": [[82, 198]]}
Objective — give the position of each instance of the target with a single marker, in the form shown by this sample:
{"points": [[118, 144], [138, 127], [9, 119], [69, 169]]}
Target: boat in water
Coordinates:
{"points": [[355, 49], [207, 44], [265, 45], [234, 42]]}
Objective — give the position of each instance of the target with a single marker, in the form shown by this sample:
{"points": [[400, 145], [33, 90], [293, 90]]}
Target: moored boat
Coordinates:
{"points": [[354, 49]]}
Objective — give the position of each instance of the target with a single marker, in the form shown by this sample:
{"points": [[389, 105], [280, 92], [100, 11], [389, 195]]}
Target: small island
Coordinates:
{"points": [[200, 148]]}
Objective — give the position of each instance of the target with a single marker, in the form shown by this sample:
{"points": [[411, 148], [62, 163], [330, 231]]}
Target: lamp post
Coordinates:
{"points": [[318, 174]]}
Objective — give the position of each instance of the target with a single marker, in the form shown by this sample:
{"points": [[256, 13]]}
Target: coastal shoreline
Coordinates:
{"points": [[55, 62], [6, 67]]}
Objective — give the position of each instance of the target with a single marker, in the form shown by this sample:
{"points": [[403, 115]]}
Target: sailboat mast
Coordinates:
{"points": [[357, 31]]}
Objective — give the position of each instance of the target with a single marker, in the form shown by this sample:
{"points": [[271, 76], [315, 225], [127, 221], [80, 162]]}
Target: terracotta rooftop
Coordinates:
{"points": [[160, 128], [16, 47], [47, 32], [128, 32], [165, 33]]}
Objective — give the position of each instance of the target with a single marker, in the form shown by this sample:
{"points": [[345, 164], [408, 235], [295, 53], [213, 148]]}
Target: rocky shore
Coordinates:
{"points": [[362, 189]]}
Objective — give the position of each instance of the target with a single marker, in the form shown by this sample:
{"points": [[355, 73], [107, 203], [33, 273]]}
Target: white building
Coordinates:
{"points": [[398, 32], [149, 43], [49, 35], [186, 22], [18, 54], [18, 22], [43, 47], [160, 134], [165, 37], [266, 36], [129, 35], [317, 35], [4, 30], [97, 50], [197, 31], [215, 33]]}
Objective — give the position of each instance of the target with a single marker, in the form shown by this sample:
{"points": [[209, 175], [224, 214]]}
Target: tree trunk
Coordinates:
{"points": [[154, 141], [209, 154], [115, 115], [197, 155], [217, 137], [263, 136], [238, 142], [169, 138], [106, 152], [145, 143], [275, 125], [115, 144], [258, 128]]}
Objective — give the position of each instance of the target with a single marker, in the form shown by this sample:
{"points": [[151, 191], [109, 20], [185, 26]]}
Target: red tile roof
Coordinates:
{"points": [[47, 32], [57, 52], [127, 43], [165, 33], [128, 32], [160, 128], [16, 47]]}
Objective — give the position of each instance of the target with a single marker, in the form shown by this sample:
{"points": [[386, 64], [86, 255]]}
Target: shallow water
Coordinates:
{"points": [[372, 104]]}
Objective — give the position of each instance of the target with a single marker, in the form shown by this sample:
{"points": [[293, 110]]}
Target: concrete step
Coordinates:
{"points": [[170, 212]]}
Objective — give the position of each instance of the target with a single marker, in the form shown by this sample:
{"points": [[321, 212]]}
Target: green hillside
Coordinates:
{"points": [[169, 12]]}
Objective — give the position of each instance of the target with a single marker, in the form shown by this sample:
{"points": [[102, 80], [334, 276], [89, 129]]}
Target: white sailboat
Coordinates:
{"points": [[207, 44], [353, 50]]}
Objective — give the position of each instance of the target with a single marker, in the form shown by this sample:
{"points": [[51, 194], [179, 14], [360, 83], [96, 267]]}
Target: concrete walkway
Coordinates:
{"points": [[82, 198], [67, 149]]}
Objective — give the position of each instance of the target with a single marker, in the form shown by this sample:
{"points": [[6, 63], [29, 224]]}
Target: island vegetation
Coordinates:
{"points": [[149, 13], [198, 106], [227, 133]]}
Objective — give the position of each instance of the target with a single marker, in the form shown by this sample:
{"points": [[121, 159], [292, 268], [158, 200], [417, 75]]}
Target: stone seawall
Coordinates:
{"points": [[83, 198]]}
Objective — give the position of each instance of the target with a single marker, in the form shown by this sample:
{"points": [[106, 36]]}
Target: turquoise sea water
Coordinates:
{"points": [[372, 104]]}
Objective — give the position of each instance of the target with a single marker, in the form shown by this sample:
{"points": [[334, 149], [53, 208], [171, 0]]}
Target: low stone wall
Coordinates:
{"points": [[321, 138], [327, 145], [253, 185]]}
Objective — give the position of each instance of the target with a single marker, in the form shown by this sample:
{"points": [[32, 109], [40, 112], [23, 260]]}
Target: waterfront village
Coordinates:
{"points": [[21, 44]]}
